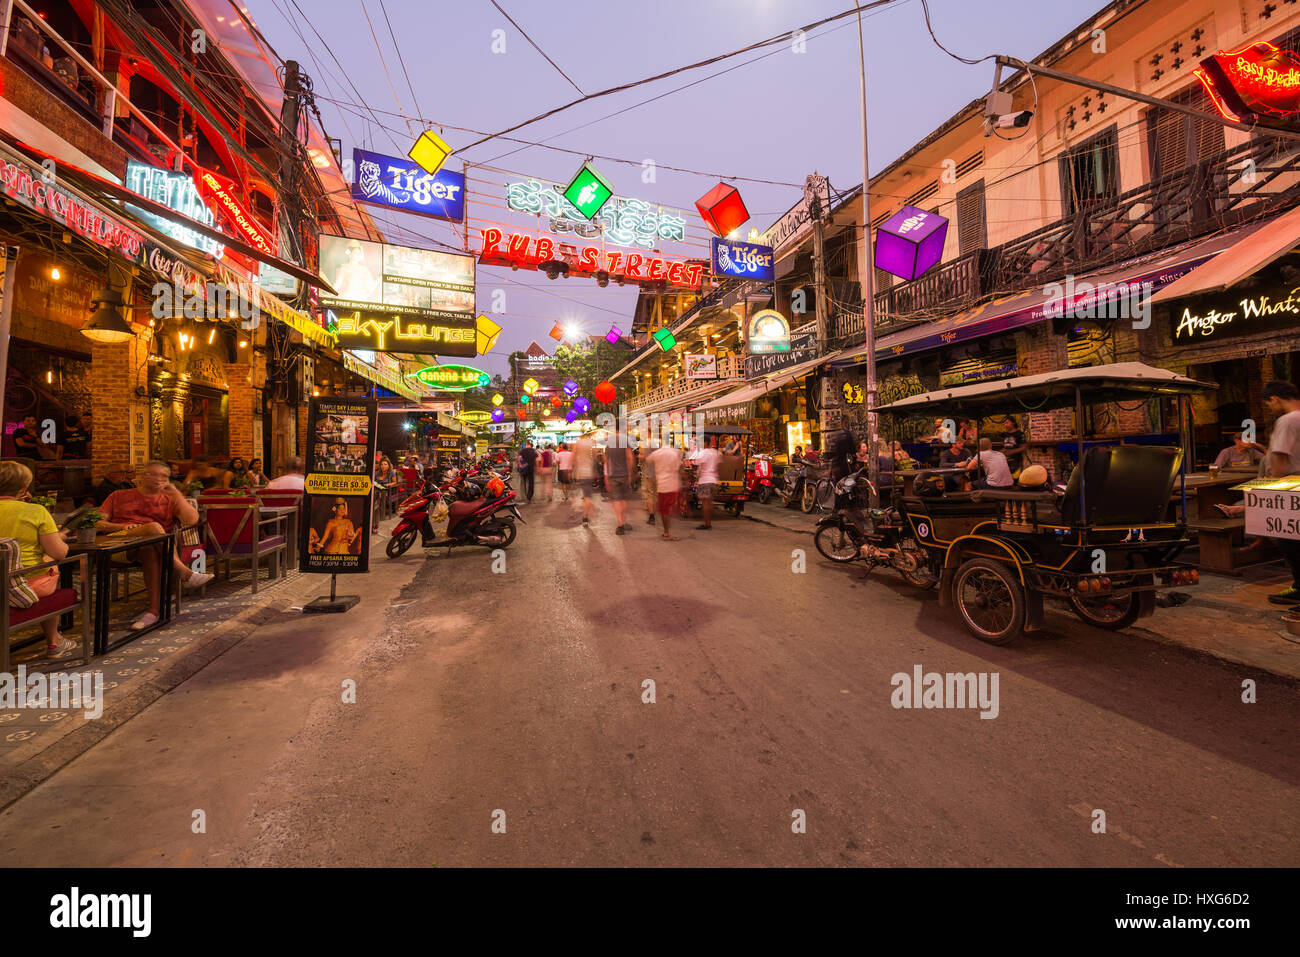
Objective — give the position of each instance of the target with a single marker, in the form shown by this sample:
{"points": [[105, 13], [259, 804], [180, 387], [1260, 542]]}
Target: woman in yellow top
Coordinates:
{"points": [[340, 533], [38, 539]]}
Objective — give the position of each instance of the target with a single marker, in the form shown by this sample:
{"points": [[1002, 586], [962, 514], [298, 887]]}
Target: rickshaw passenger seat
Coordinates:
{"points": [[731, 468], [1126, 485]]}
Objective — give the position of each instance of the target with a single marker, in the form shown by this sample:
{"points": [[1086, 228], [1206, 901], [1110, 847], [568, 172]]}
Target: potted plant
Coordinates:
{"points": [[86, 526], [49, 501]]}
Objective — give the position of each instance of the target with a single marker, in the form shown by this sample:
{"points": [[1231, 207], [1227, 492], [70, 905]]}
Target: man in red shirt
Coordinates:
{"points": [[154, 506]]}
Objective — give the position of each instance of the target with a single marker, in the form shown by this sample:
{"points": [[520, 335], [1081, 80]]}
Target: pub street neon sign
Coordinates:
{"points": [[521, 249], [1259, 81]]}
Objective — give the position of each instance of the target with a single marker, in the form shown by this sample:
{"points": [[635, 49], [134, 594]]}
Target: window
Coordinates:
{"points": [[1176, 140], [1090, 172], [972, 223]]}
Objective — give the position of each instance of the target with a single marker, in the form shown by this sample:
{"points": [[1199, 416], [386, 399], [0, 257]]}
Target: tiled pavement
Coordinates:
{"points": [[126, 666]]}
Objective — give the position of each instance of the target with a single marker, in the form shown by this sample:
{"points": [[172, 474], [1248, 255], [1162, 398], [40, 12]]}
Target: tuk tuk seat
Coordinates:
{"points": [[1126, 485], [731, 468]]}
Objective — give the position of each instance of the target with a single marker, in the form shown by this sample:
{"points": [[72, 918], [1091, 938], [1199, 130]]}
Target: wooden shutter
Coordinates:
{"points": [[972, 223]]}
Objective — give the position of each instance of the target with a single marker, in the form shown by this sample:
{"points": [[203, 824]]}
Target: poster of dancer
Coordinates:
{"points": [[340, 460]]}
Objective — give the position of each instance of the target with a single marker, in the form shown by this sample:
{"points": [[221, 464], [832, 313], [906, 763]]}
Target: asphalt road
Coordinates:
{"points": [[522, 692]]}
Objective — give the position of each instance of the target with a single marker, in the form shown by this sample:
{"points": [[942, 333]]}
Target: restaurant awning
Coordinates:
{"points": [[388, 380], [1030, 306], [1274, 239]]}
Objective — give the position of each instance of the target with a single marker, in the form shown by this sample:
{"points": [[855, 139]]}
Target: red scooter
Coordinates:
{"points": [[478, 522], [758, 478]]}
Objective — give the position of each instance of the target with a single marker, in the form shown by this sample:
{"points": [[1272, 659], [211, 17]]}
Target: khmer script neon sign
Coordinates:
{"points": [[623, 221]]}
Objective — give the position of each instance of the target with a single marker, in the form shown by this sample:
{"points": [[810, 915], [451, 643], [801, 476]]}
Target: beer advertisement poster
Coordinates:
{"points": [[340, 463]]}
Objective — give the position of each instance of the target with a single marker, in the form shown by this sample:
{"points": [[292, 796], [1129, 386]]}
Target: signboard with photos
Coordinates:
{"points": [[341, 436], [398, 298]]}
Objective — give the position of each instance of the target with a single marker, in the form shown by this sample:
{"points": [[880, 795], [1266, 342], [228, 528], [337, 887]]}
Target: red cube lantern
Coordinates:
{"points": [[556, 401], [723, 209], [557, 331], [522, 412], [605, 392]]}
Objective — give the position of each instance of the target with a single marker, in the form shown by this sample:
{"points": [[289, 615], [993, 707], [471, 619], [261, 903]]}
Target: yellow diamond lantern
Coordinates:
{"points": [[486, 332], [430, 152], [498, 399], [531, 386]]}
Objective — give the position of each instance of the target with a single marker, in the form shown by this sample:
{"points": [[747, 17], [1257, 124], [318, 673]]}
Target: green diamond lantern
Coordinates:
{"points": [[589, 191], [665, 339]]}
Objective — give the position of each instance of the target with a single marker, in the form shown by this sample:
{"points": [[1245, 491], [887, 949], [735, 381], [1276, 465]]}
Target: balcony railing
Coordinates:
{"points": [[730, 367], [1229, 189]]}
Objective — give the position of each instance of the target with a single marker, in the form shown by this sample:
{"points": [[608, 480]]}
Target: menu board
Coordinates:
{"points": [[340, 463]]}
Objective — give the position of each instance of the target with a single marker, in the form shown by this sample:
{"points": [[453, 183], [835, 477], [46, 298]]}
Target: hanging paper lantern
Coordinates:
{"points": [[430, 151], [485, 334], [557, 332], [531, 386], [498, 415], [588, 191], [522, 413], [581, 405], [523, 399], [556, 401], [614, 334], [665, 339], [910, 242], [722, 209], [571, 416], [570, 388], [605, 392], [498, 399]]}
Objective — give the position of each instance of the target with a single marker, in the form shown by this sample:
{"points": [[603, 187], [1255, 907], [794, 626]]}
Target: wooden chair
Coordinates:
{"points": [[60, 602], [189, 543], [235, 528]]}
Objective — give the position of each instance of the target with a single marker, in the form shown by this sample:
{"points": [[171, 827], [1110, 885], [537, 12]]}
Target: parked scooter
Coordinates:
{"points": [[878, 536], [758, 478], [790, 488], [486, 521]]}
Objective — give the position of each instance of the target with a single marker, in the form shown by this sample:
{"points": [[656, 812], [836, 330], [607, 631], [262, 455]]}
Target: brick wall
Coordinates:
{"points": [[115, 371], [241, 403], [302, 429]]}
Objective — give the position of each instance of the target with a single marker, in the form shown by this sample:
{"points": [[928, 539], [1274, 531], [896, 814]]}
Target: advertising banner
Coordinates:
{"points": [[400, 183], [702, 365], [802, 347], [398, 298], [340, 461], [742, 260], [1272, 506]]}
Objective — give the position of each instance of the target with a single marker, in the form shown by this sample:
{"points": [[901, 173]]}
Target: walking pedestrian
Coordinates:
{"points": [[706, 460], [619, 465], [564, 460], [527, 466], [583, 458], [1282, 399], [666, 462], [649, 488], [547, 466]]}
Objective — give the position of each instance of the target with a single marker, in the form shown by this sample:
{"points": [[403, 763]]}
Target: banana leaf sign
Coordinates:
{"points": [[451, 378]]}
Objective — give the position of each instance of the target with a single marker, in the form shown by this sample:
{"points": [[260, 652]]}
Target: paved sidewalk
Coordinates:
{"points": [[1228, 617]]}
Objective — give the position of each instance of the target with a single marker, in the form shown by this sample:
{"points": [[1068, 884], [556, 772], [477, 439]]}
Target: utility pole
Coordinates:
{"points": [[866, 276], [815, 213]]}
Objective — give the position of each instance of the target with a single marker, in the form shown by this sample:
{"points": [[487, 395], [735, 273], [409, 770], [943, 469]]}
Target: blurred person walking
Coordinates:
{"points": [[583, 473], [620, 465], [666, 462]]}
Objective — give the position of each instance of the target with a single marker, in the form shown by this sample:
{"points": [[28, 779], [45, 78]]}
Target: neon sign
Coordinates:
{"points": [[399, 183], [623, 222], [221, 191], [447, 334], [453, 378], [1258, 80], [30, 188], [1251, 315], [521, 249], [175, 191]]}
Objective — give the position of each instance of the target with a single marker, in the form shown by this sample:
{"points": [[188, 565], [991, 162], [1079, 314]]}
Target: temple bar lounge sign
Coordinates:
{"points": [[399, 299], [1257, 82]]}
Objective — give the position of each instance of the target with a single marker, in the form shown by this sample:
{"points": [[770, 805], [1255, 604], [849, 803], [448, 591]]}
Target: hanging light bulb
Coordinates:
{"points": [[55, 274], [212, 335]]}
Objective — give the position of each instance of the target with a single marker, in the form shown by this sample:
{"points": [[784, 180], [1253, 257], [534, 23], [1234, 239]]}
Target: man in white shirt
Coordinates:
{"points": [[583, 461], [1282, 399], [706, 484], [667, 464], [291, 478], [564, 460], [997, 474]]}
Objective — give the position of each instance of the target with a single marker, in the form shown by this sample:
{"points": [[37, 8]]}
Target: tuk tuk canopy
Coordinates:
{"points": [[1116, 382]]}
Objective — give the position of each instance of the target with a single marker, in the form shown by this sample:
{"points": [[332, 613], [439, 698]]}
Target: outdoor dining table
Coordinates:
{"points": [[100, 555], [1213, 489]]}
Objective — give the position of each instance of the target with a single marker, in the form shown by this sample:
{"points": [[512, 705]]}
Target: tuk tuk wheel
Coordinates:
{"points": [[735, 508], [1114, 612], [990, 599]]}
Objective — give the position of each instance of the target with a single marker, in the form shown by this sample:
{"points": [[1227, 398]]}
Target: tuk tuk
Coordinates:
{"points": [[731, 493], [1102, 542]]}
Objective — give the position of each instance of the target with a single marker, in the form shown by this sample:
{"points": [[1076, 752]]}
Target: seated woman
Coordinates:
{"points": [[38, 539], [256, 476], [237, 476]]}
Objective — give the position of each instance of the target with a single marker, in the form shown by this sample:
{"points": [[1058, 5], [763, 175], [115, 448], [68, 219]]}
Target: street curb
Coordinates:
{"points": [[787, 528], [22, 774]]}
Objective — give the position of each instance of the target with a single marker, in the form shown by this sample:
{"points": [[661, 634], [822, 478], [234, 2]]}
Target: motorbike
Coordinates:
{"points": [[758, 478], [818, 489], [489, 522], [791, 485], [854, 531]]}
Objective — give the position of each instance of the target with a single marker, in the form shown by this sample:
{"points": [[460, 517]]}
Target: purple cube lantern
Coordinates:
{"points": [[581, 405], [571, 416], [498, 415], [614, 334], [570, 388], [910, 242]]}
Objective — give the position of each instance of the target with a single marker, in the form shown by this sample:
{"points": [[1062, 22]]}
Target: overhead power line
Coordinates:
{"points": [[537, 48]]}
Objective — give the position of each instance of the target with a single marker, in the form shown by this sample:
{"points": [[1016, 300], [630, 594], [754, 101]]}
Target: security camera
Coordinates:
{"points": [[1005, 121], [602, 279]]}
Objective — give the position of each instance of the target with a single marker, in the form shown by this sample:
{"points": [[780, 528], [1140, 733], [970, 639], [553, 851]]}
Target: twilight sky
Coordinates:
{"points": [[779, 117]]}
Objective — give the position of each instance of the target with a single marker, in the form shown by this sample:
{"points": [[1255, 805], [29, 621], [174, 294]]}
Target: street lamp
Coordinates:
{"points": [[107, 324]]}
